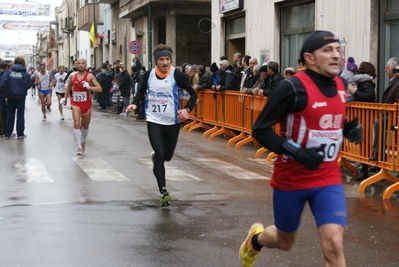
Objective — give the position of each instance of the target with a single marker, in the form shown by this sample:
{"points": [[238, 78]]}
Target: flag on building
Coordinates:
{"points": [[92, 35]]}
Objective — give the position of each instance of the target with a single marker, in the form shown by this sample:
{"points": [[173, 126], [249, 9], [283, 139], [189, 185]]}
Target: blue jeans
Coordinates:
{"points": [[376, 133], [126, 100], [19, 106]]}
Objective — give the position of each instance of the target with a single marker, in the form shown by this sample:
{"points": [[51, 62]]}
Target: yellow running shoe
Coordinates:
{"points": [[247, 253], [165, 198]]}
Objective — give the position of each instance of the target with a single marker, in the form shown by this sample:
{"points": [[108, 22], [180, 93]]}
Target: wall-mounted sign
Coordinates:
{"points": [[230, 5], [16, 9]]}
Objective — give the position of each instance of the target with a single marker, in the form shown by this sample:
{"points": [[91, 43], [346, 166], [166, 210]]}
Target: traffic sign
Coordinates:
{"points": [[134, 47]]}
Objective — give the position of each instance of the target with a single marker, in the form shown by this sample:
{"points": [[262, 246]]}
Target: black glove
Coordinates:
{"points": [[311, 158], [353, 131]]}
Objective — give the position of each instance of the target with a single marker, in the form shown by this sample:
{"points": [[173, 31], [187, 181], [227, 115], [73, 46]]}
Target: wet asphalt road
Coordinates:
{"points": [[103, 209]]}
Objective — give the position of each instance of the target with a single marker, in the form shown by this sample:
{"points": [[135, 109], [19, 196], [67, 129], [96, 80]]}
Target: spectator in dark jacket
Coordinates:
{"points": [[251, 77], [104, 79], [137, 80], [263, 82], [16, 83], [274, 77], [125, 86], [365, 90], [205, 79], [214, 73], [136, 63], [227, 81], [3, 111]]}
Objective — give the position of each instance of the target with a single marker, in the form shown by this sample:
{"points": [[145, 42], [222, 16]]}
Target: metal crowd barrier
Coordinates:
{"points": [[233, 114]]}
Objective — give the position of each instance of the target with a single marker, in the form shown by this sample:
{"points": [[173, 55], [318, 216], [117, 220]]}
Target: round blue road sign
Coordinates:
{"points": [[134, 47]]}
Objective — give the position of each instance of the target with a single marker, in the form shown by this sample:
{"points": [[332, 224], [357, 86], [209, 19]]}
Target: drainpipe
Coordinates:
{"points": [[149, 51], [95, 31]]}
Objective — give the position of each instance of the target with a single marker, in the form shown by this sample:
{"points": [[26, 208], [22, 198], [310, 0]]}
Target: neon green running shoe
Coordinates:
{"points": [[247, 253], [165, 198]]}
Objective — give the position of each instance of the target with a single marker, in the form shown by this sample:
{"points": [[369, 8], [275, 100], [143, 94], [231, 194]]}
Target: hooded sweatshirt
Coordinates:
{"points": [[15, 82]]}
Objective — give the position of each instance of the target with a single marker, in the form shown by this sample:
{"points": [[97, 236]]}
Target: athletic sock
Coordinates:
{"points": [[255, 244], [85, 132], [77, 135]]}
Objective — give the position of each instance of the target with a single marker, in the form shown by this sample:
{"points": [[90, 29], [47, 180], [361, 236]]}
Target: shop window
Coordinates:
{"points": [[389, 39]]}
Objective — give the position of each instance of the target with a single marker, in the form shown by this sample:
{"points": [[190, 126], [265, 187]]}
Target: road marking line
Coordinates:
{"points": [[33, 171], [172, 173], [99, 170], [232, 170]]}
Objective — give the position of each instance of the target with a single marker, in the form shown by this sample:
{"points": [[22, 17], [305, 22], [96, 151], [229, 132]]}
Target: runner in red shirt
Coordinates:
{"points": [[310, 107], [82, 85]]}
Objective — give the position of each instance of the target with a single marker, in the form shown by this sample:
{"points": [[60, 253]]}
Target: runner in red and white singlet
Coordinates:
{"points": [[82, 85]]}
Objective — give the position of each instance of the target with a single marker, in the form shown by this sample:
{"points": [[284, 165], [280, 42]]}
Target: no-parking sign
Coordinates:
{"points": [[134, 47]]}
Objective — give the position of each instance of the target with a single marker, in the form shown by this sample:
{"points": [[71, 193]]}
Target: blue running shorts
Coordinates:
{"points": [[44, 92], [328, 205]]}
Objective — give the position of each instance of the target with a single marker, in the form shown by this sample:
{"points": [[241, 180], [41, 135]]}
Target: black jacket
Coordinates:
{"points": [[250, 80], [125, 85], [274, 80], [228, 83], [365, 92], [205, 81]]}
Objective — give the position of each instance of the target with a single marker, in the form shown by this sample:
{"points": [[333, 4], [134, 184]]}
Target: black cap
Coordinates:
{"points": [[263, 68], [214, 67], [316, 40]]}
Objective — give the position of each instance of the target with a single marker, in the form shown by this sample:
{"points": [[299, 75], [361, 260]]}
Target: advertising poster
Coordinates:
{"points": [[11, 25], [264, 57], [24, 9]]}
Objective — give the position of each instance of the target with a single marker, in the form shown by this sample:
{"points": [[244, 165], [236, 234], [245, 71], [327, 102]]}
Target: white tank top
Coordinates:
{"points": [[60, 85], [163, 99], [44, 81]]}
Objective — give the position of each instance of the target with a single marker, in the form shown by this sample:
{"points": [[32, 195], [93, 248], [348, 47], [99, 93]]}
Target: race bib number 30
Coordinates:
{"points": [[331, 139], [79, 96]]}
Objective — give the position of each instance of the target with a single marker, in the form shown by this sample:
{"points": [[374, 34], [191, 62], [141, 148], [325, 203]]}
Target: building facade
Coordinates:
{"points": [[273, 30], [200, 31]]}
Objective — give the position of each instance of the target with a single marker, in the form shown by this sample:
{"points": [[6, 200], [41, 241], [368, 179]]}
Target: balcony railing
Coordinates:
{"points": [[86, 16], [110, 2]]}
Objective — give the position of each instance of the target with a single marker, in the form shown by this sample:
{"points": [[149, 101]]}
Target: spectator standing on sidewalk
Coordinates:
{"points": [[104, 79], [306, 170], [390, 96], [124, 87], [3, 111], [205, 79], [15, 83], [137, 78], [163, 111]]}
